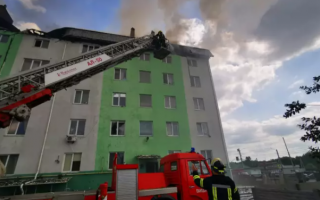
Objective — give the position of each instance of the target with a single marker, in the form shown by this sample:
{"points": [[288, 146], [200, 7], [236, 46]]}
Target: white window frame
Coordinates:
{"points": [[172, 81], [64, 160], [75, 94], [206, 153], [118, 128], [198, 103], [202, 132], [119, 96], [112, 160], [76, 132], [114, 76], [195, 82], [15, 132], [7, 160], [33, 62], [191, 64], [170, 102], [140, 129], [41, 43], [92, 45], [171, 123], [144, 56], [165, 60], [174, 151], [3, 35]]}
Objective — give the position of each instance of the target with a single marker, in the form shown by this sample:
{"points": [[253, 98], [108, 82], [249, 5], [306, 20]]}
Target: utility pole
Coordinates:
{"points": [[288, 152], [279, 160], [240, 157]]}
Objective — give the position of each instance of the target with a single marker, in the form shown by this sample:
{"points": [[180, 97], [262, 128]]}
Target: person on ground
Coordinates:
{"points": [[218, 186]]}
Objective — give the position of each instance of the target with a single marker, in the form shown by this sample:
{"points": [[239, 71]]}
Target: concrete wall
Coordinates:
{"points": [[29, 146], [215, 141]]}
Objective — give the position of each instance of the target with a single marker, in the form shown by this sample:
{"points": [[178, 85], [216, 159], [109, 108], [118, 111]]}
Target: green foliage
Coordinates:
{"points": [[311, 126]]}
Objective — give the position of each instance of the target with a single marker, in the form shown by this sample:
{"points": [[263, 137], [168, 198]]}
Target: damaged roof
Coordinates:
{"points": [[102, 38], [76, 34]]}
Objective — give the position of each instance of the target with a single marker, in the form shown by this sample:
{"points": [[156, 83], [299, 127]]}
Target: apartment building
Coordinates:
{"points": [[142, 109]]}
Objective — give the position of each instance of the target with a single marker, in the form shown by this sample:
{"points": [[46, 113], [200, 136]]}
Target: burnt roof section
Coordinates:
{"points": [[76, 34], [102, 38], [6, 20]]}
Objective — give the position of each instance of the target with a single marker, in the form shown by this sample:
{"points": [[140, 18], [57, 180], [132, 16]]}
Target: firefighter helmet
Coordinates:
{"points": [[217, 166]]}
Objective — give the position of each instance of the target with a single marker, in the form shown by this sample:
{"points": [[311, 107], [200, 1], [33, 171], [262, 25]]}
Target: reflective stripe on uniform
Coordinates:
{"points": [[229, 194], [235, 189], [196, 177], [220, 186], [214, 193], [201, 182]]}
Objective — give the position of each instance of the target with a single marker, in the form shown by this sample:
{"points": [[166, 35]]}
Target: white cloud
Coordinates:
{"points": [[296, 84], [30, 4], [27, 25], [258, 139]]}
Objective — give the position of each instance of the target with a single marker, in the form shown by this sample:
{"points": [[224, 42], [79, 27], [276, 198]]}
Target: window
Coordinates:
{"points": [[197, 164], [170, 102], [81, 97], [87, 48], [174, 151], [204, 168], [145, 100], [195, 81], [77, 126], [192, 63], [17, 128], [120, 158], [198, 103], [9, 162], [202, 128], [167, 59], [146, 128], [72, 162], [120, 74], [31, 64], [117, 128], [42, 43], [145, 77], [174, 166], [119, 99], [4, 38], [168, 79], [145, 56], [207, 154], [172, 129]]}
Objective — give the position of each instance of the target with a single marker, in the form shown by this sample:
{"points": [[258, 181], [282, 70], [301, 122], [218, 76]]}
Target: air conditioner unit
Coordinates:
{"points": [[71, 139]]}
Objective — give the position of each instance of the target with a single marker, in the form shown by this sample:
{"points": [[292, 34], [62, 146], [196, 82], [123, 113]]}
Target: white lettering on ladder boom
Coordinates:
{"points": [[74, 69]]}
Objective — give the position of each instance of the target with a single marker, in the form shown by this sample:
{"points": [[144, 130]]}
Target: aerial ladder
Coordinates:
{"points": [[22, 92]]}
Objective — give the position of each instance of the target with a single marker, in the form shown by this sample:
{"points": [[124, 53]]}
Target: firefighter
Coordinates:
{"points": [[162, 39], [218, 186]]}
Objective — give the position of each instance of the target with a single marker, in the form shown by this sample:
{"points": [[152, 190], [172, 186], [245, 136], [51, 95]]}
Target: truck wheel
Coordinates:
{"points": [[163, 197]]}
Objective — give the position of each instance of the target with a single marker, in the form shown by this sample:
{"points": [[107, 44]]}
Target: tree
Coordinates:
{"points": [[309, 125], [248, 158]]}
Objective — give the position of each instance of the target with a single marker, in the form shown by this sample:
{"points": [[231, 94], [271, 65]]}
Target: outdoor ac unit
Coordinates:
{"points": [[71, 139]]}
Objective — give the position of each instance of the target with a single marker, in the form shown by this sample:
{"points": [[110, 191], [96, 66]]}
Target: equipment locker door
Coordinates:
{"points": [[196, 192]]}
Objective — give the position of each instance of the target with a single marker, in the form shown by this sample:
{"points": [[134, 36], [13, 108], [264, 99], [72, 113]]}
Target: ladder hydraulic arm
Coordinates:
{"points": [[21, 92]]}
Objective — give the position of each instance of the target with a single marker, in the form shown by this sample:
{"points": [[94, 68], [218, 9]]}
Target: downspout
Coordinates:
{"points": [[220, 122], [45, 136]]}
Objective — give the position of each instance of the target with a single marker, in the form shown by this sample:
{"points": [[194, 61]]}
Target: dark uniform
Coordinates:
{"points": [[218, 186]]}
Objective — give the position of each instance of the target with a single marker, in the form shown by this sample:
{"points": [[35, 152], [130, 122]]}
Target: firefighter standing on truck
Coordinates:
{"points": [[218, 186]]}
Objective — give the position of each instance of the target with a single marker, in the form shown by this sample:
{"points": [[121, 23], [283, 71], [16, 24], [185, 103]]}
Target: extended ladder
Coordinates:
{"points": [[28, 89]]}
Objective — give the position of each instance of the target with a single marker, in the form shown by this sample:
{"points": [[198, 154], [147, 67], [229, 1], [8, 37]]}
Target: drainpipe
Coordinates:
{"points": [[45, 136]]}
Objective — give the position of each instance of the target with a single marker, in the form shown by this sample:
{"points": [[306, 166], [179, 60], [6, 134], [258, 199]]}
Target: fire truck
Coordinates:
{"points": [[21, 92]]}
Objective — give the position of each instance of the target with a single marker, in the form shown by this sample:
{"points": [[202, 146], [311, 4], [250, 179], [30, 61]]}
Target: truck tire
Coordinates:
{"points": [[163, 197]]}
